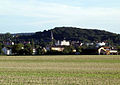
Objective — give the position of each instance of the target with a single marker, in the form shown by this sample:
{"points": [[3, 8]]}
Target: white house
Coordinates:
{"points": [[62, 43], [13, 43], [88, 44], [34, 51], [100, 44], [7, 51], [107, 51]]}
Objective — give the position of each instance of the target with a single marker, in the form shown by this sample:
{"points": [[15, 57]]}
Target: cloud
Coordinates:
{"points": [[39, 13], [36, 8]]}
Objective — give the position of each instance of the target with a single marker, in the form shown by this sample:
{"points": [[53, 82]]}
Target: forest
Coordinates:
{"points": [[74, 34], [67, 33]]}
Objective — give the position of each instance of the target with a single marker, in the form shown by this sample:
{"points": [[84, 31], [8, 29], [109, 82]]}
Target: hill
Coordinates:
{"points": [[78, 34], [73, 34], [23, 34]]}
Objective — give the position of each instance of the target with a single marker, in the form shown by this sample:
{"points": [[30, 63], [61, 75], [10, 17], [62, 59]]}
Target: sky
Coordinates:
{"points": [[18, 16]]}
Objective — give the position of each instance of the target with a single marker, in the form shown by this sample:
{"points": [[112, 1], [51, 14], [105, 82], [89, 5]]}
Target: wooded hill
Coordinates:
{"points": [[73, 34]]}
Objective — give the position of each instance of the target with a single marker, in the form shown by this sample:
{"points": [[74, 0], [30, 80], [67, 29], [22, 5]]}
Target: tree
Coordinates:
{"points": [[68, 50], [18, 49], [40, 51], [79, 49], [28, 50], [1, 48], [118, 48], [42, 43], [32, 43], [8, 35]]}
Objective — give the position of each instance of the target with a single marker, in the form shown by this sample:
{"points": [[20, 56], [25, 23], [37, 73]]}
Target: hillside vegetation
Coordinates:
{"points": [[76, 34], [68, 33]]}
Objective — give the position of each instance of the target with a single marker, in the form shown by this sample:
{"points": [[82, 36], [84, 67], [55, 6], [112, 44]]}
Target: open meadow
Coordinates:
{"points": [[60, 70]]}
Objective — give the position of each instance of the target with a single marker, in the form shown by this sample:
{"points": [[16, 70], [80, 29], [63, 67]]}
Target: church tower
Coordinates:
{"points": [[52, 38]]}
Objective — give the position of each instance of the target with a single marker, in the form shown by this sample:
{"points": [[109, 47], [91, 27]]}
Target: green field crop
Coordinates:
{"points": [[60, 70]]}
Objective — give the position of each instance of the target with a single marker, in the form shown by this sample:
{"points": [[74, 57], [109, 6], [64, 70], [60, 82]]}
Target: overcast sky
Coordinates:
{"points": [[37, 15]]}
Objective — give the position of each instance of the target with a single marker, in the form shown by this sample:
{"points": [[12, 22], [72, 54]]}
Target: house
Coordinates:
{"points": [[89, 44], [107, 51], [57, 48], [8, 43], [76, 43], [7, 51], [34, 51], [62, 43], [100, 44]]}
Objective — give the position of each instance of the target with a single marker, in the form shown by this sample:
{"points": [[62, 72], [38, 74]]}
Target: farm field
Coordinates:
{"points": [[60, 70]]}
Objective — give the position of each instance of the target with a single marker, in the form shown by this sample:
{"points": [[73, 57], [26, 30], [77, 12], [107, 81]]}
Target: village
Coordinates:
{"points": [[58, 47]]}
